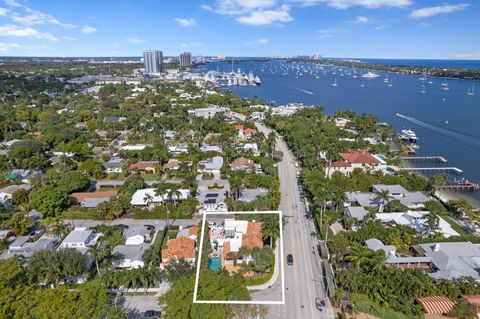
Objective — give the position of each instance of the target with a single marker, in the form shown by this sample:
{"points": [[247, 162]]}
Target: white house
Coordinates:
{"points": [[211, 165], [80, 238], [131, 256], [136, 235]]}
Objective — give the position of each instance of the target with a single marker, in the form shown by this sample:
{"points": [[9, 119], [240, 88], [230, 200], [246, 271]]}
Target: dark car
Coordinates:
{"points": [[150, 314], [289, 259]]}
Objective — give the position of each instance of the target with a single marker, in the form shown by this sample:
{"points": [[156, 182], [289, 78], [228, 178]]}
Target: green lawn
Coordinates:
{"points": [[363, 304], [456, 227]]}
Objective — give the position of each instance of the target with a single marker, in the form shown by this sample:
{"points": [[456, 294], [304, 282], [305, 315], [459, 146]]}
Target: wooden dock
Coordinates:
{"points": [[432, 169], [466, 186], [426, 158]]}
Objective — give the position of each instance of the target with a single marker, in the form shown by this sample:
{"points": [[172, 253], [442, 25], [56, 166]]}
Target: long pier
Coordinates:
{"points": [[467, 186], [425, 158], [433, 169]]}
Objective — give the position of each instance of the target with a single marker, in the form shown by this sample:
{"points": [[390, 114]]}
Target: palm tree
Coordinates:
{"points": [[161, 189], [432, 222], [95, 252], [271, 230], [337, 198], [148, 198], [383, 196], [359, 255], [235, 185], [271, 140]]}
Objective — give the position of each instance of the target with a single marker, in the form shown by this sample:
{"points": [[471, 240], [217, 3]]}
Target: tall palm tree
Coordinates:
{"points": [[432, 222], [359, 255], [148, 198], [95, 253], [383, 197], [271, 230]]}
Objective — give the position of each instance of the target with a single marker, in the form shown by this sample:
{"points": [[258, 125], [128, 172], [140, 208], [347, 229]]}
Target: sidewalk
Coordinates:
{"points": [[276, 272]]}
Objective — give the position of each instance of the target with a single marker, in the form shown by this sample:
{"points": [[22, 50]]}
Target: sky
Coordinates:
{"points": [[409, 29]]}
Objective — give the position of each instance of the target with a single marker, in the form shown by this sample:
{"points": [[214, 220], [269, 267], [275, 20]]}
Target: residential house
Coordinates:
{"points": [[244, 132], [113, 119], [114, 165], [176, 150], [173, 164], [6, 193], [170, 134], [81, 125], [80, 238], [243, 164], [356, 160], [92, 199], [211, 148], [181, 248], [25, 246], [136, 235], [144, 167], [130, 256], [148, 197], [248, 147], [412, 200], [189, 232], [207, 112], [212, 200], [134, 147], [211, 165]]}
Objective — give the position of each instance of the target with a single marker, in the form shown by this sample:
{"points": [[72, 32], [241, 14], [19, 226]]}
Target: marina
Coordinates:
{"points": [[455, 170], [440, 159]]}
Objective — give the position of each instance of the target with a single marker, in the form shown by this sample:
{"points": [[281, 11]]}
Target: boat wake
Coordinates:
{"points": [[304, 91], [470, 138]]}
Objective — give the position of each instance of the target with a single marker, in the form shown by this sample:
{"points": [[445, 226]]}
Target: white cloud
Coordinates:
{"points": [[3, 12], [14, 31], [135, 40], [6, 47], [35, 17], [468, 56], [88, 29], [360, 20], [329, 32], [433, 11], [236, 7], [345, 4], [186, 22], [12, 3], [264, 17], [259, 42]]}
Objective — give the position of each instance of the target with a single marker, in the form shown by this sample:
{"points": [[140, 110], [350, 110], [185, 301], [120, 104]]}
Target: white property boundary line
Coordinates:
{"points": [[240, 302]]}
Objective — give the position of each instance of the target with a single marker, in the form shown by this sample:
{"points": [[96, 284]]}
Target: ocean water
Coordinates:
{"points": [[460, 64], [447, 123]]}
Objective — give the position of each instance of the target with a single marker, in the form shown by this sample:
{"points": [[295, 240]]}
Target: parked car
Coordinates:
{"points": [[150, 314], [290, 259]]}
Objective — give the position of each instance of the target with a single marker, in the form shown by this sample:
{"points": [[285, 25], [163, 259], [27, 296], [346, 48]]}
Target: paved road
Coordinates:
{"points": [[303, 280]]}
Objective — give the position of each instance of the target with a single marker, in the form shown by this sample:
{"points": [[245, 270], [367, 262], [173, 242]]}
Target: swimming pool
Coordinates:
{"points": [[214, 262]]}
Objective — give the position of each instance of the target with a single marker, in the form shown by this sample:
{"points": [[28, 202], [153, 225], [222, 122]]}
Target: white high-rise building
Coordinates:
{"points": [[153, 60], [185, 59]]}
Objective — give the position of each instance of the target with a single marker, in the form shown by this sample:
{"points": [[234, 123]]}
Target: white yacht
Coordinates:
{"points": [[335, 82], [370, 75], [471, 91], [408, 135]]}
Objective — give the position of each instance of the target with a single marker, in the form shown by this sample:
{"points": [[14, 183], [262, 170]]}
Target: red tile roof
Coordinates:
{"points": [[179, 248], [242, 163], [249, 131], [338, 164], [436, 304], [472, 299], [193, 230], [239, 127], [141, 165], [359, 158], [254, 236]]}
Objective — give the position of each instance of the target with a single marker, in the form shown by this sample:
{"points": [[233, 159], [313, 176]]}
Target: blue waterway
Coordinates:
{"points": [[461, 64], [458, 141]]}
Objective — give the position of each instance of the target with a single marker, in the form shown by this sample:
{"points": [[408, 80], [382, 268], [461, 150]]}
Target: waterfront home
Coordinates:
{"points": [[92, 199], [211, 165], [243, 164], [80, 238], [25, 246], [416, 220], [144, 167], [181, 248], [149, 197], [343, 167], [130, 256], [114, 165], [356, 160], [137, 234], [412, 200]]}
